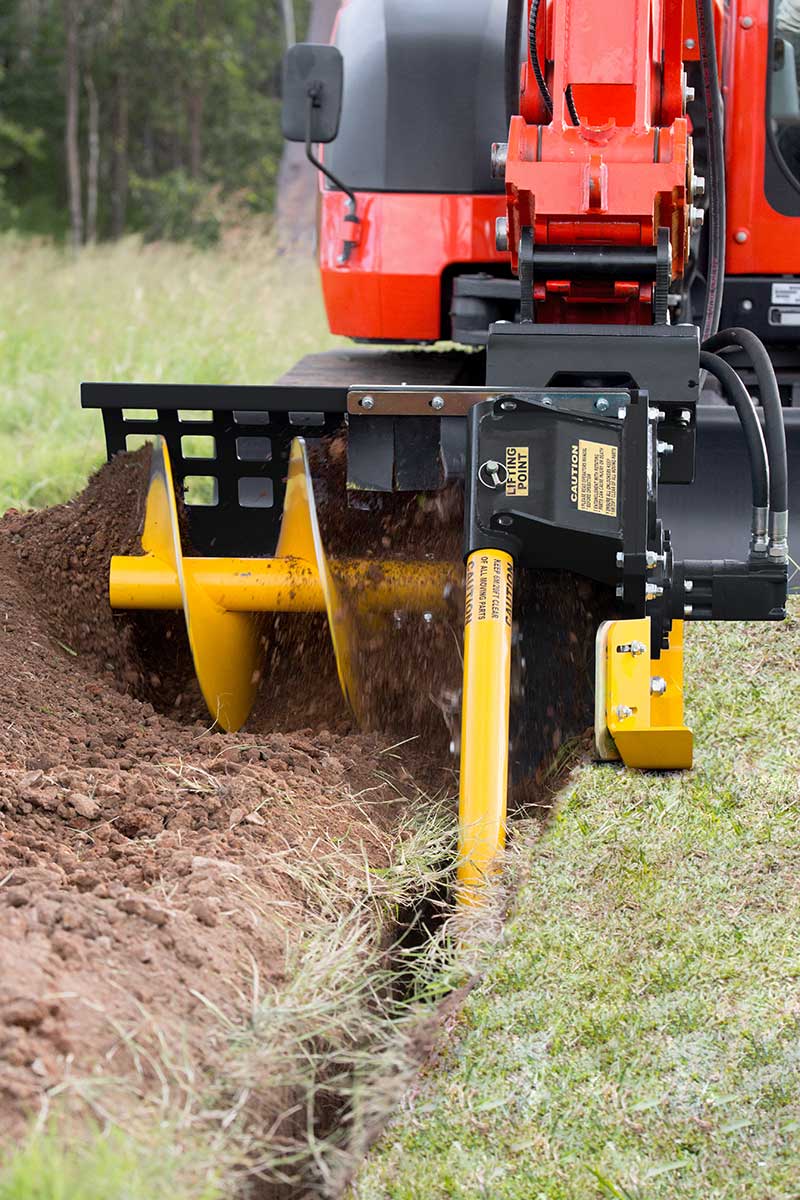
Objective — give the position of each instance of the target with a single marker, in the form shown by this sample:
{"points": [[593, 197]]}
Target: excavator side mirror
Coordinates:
{"points": [[313, 83]]}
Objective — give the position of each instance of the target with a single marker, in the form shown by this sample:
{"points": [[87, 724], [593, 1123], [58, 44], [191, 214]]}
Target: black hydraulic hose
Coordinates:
{"points": [[735, 391], [512, 63], [541, 82], [746, 340], [715, 136]]}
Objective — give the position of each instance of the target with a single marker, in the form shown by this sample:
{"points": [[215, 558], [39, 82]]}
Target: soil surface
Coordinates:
{"points": [[148, 860], [145, 857]]}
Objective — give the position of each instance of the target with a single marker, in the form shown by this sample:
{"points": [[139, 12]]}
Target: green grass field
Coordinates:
{"points": [[155, 314], [637, 1032]]}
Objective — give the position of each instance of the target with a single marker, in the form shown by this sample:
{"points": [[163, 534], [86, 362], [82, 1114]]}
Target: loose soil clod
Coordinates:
{"points": [[143, 855]]}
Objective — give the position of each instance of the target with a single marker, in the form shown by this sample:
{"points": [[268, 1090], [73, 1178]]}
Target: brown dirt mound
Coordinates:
{"points": [[142, 858]]}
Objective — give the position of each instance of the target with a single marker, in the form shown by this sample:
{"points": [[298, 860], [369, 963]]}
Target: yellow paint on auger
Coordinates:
{"points": [[222, 598], [484, 720]]}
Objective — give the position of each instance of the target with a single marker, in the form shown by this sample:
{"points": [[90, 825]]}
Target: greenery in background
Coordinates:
{"points": [[187, 111], [161, 313], [636, 1036]]}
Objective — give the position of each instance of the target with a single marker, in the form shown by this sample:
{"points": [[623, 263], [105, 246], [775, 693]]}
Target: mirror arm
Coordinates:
{"points": [[352, 213]]}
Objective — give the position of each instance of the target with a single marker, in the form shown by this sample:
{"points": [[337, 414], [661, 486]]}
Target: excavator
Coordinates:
{"points": [[564, 238]]}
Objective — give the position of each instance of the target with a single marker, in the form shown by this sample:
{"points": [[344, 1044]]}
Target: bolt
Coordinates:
{"points": [[546, 400], [687, 610], [688, 585], [634, 648], [499, 157], [620, 558], [665, 447], [622, 413], [697, 216], [366, 402], [685, 416], [492, 466], [623, 712], [741, 236], [689, 43], [508, 406], [746, 306], [503, 519], [698, 186], [652, 559], [437, 403], [653, 591], [601, 404], [746, 22], [690, 94], [620, 591], [427, 618], [658, 685], [501, 233]]}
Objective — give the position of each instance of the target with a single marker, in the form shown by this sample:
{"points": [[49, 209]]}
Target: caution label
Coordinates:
{"points": [[593, 477], [490, 593], [517, 466]]}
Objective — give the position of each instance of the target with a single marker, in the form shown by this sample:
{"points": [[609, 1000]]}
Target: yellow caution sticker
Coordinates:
{"points": [[517, 468], [593, 477], [490, 591]]}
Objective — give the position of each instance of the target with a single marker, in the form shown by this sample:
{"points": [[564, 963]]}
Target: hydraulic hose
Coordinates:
{"points": [[746, 340], [512, 61], [712, 99], [738, 395]]}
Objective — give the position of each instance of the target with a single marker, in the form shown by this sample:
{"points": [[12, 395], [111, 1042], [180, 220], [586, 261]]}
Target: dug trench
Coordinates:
{"points": [[158, 878]]}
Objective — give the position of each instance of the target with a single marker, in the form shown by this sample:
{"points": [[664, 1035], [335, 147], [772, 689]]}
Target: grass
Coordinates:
{"points": [[104, 1166], [637, 1034], [139, 314]]}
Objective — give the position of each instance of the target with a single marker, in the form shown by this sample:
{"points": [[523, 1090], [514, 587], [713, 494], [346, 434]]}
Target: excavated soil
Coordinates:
{"points": [[143, 854]]}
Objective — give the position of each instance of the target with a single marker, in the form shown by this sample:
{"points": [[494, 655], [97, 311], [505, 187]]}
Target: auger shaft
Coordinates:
{"points": [[485, 718]]}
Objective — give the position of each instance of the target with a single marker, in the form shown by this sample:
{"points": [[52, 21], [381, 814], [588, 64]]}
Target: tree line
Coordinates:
{"points": [[156, 116]]}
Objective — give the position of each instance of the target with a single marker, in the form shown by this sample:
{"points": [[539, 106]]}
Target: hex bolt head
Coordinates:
{"points": [[366, 402], [697, 216], [685, 416], [665, 448], [658, 685], [508, 406], [437, 403], [690, 94], [601, 404], [688, 585], [620, 558], [501, 233], [623, 712]]}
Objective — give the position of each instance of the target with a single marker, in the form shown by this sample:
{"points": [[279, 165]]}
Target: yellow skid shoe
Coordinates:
{"points": [[639, 700]]}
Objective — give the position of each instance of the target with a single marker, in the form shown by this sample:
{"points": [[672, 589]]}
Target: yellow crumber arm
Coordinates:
{"points": [[484, 720]]}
